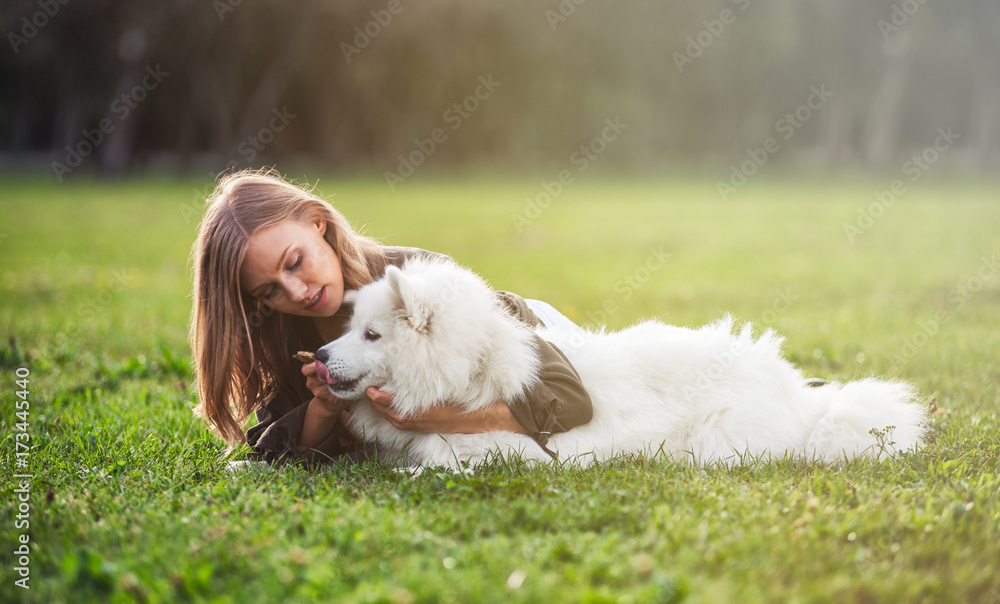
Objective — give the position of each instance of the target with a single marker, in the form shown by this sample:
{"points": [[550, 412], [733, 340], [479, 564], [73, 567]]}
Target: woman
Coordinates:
{"points": [[271, 264]]}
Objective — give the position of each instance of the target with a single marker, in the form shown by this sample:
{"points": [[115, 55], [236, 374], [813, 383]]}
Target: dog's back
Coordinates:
{"points": [[718, 394], [714, 394]]}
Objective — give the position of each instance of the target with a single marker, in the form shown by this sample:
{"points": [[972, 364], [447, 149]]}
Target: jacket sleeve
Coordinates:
{"points": [[558, 401], [275, 437]]}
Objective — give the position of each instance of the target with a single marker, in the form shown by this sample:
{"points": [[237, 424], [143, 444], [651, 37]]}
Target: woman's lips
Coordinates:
{"points": [[320, 301]]}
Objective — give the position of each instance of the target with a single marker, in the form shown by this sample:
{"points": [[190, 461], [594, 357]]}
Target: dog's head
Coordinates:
{"points": [[420, 332]]}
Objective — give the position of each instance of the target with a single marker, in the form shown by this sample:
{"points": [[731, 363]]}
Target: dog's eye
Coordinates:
{"points": [[371, 336]]}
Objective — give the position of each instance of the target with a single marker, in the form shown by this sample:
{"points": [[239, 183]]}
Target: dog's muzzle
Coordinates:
{"points": [[337, 384]]}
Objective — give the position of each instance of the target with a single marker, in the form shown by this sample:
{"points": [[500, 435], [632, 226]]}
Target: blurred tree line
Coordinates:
{"points": [[358, 85]]}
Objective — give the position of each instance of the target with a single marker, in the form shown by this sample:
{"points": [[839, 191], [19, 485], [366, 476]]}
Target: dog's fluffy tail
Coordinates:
{"points": [[870, 418]]}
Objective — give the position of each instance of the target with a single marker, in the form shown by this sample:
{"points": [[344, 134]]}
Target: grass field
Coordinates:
{"points": [[128, 501]]}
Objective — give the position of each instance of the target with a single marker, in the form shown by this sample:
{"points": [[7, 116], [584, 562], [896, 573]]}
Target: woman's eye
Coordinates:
{"points": [[371, 336], [270, 293], [298, 261]]}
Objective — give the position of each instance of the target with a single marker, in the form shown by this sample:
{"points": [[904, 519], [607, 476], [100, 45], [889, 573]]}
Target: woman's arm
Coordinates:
{"points": [[322, 414], [294, 426], [447, 419]]}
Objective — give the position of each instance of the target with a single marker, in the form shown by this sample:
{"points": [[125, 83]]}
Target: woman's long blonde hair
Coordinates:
{"points": [[240, 347]]}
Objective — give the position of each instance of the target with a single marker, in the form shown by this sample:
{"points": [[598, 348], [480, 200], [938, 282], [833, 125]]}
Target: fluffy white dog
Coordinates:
{"points": [[433, 333]]}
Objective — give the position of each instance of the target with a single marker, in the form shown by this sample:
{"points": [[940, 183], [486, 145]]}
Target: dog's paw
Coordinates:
{"points": [[244, 465], [413, 471]]}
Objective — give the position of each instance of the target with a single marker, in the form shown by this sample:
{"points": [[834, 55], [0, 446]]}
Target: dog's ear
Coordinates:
{"points": [[350, 296], [404, 298], [397, 282]]}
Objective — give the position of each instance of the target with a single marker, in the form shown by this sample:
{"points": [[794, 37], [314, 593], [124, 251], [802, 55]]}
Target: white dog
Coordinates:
{"points": [[433, 333]]}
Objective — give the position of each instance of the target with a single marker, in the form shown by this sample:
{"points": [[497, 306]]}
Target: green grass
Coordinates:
{"points": [[129, 502]]}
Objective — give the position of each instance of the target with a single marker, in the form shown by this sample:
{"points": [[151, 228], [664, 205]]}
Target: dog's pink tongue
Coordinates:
{"points": [[322, 372]]}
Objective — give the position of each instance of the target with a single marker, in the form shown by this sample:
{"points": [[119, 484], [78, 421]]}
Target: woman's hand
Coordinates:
{"points": [[447, 419], [318, 387]]}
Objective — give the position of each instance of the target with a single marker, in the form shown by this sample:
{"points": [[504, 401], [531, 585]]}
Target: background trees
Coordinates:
{"points": [[698, 84]]}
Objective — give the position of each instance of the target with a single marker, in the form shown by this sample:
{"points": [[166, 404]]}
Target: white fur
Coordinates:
{"points": [[713, 394]]}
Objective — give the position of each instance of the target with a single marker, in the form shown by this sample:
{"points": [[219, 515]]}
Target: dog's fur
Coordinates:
{"points": [[433, 333]]}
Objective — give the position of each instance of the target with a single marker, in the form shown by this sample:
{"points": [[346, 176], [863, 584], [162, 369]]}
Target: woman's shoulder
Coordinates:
{"points": [[398, 255]]}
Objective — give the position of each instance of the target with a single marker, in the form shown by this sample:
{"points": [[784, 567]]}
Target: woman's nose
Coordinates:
{"points": [[295, 289]]}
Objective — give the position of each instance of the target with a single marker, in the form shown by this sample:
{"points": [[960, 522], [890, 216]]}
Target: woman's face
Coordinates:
{"points": [[291, 268]]}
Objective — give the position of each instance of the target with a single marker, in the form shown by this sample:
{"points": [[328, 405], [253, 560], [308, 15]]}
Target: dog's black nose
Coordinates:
{"points": [[321, 356]]}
